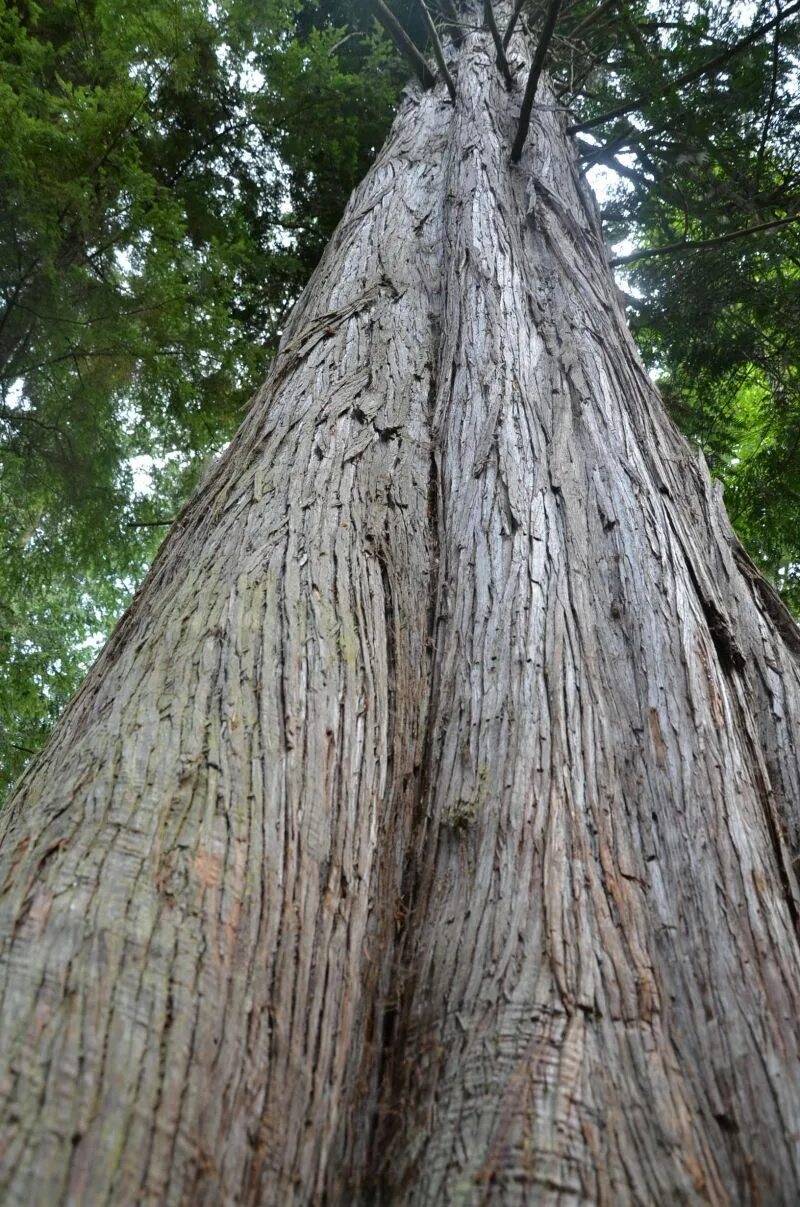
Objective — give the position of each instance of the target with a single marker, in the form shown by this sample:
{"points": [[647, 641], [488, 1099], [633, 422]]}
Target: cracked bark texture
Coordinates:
{"points": [[427, 831]]}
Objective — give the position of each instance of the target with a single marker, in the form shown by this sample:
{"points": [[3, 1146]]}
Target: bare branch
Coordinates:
{"points": [[635, 32], [518, 6], [502, 61], [438, 53], [591, 153], [671, 249], [404, 44], [597, 155], [710, 67], [533, 79]]}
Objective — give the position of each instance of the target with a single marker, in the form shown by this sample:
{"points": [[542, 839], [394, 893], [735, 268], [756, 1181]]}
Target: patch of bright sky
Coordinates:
{"points": [[143, 467], [14, 398]]}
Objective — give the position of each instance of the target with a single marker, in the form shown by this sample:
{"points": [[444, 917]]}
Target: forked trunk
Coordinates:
{"points": [[425, 832]]}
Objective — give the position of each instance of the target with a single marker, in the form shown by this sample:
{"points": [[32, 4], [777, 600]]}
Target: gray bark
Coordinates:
{"points": [[427, 830]]}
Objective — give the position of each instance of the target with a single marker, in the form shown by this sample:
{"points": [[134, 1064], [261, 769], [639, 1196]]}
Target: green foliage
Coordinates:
{"points": [[171, 171]]}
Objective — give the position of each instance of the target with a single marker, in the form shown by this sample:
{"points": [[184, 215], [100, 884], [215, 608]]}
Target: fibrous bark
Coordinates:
{"points": [[426, 831]]}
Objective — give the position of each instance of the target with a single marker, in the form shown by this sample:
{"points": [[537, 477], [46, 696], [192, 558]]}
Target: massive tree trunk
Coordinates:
{"points": [[426, 831]]}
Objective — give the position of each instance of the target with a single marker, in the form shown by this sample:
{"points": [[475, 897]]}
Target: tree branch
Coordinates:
{"points": [[710, 67], [518, 6], [625, 138], [533, 79], [597, 155], [438, 53], [635, 32], [407, 48], [452, 22], [670, 249], [502, 61]]}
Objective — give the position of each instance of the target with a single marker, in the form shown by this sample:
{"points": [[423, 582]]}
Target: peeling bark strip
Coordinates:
{"points": [[427, 831]]}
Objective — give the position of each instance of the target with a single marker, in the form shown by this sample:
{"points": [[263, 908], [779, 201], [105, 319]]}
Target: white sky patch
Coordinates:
{"points": [[14, 396], [143, 467], [603, 182]]}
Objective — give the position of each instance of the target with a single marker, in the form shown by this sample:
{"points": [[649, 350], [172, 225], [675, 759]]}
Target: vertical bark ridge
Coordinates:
{"points": [[602, 874], [201, 873]]}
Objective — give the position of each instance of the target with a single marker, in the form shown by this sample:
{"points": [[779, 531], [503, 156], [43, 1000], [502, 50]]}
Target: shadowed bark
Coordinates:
{"points": [[426, 831]]}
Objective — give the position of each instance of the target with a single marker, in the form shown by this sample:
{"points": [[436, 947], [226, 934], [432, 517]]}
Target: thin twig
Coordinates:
{"points": [[671, 249], [407, 48], [438, 53], [355, 33], [592, 61], [710, 67], [150, 523], [502, 61], [533, 79]]}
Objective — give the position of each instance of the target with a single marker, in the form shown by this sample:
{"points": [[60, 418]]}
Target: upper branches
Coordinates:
{"points": [[709, 67]]}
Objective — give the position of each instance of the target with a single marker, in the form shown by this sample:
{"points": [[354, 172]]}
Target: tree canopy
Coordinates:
{"points": [[171, 173]]}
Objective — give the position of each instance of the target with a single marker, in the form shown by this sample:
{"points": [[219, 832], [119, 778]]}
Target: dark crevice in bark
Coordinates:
{"points": [[729, 652], [390, 622], [772, 603], [730, 656], [780, 845], [390, 1078]]}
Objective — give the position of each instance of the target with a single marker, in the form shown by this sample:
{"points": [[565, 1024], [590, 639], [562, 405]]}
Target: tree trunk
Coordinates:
{"points": [[426, 831]]}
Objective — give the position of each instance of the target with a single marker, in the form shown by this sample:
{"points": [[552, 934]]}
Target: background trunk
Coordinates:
{"points": [[425, 831]]}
